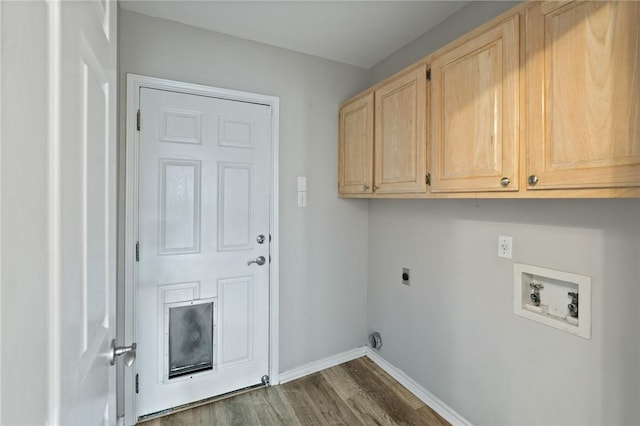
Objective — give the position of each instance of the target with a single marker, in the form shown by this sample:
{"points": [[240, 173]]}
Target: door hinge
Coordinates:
{"points": [[137, 384], [138, 120], [137, 251], [427, 179], [428, 79]]}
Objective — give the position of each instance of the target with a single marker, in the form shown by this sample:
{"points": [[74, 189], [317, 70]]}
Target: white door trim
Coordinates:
{"points": [[134, 84]]}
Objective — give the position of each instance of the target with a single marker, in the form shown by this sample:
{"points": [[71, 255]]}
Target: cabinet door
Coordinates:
{"points": [[400, 133], [474, 113], [583, 91], [355, 163]]}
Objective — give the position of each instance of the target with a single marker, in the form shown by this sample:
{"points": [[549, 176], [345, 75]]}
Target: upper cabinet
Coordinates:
{"points": [[382, 141], [355, 162], [400, 133], [583, 94], [474, 112], [541, 102]]}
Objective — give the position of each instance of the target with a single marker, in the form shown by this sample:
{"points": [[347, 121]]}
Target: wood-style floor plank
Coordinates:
{"points": [[403, 392], [271, 409], [367, 411], [399, 411], [357, 392]]}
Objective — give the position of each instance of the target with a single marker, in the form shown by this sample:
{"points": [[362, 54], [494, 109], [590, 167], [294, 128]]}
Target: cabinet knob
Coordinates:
{"points": [[533, 179], [365, 187], [505, 181], [375, 188]]}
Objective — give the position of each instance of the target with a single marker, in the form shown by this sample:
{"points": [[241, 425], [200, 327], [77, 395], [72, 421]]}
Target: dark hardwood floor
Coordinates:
{"points": [[354, 393]]}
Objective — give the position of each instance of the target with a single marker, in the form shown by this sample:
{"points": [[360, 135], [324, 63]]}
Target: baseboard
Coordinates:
{"points": [[314, 367], [448, 413]]}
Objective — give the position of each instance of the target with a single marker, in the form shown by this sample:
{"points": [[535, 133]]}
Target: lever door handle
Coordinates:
{"points": [[129, 353], [260, 260]]}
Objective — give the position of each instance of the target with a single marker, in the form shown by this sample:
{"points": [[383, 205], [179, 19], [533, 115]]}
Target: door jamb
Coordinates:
{"points": [[134, 83]]}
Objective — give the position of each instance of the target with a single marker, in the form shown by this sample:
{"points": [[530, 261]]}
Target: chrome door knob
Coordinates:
{"points": [[533, 179], [505, 181], [129, 353], [260, 260]]}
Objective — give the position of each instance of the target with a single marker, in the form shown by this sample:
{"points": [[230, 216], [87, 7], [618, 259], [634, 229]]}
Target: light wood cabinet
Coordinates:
{"points": [[382, 141], [583, 94], [474, 112], [355, 147], [541, 102], [400, 133]]}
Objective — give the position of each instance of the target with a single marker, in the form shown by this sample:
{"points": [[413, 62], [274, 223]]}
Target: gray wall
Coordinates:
{"points": [[454, 330], [323, 248]]}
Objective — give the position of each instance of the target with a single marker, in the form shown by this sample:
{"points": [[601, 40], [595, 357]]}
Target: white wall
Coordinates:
{"points": [[454, 330], [23, 218], [323, 247]]}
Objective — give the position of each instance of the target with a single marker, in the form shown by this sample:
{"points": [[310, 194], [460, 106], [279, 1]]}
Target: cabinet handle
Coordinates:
{"points": [[533, 179], [365, 187], [505, 181], [375, 188]]}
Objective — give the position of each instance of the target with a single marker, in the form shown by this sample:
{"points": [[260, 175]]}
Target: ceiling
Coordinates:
{"points": [[360, 33]]}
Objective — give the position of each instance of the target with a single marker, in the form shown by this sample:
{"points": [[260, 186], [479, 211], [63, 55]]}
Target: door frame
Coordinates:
{"points": [[132, 140]]}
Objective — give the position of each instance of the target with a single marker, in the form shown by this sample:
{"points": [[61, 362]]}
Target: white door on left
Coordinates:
{"points": [[84, 210], [58, 210]]}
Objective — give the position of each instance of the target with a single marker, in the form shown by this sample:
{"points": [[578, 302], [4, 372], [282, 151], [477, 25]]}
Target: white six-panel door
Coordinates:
{"points": [[83, 210], [204, 199]]}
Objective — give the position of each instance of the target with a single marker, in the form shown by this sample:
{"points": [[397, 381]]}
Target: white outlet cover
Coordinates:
{"points": [[505, 246]]}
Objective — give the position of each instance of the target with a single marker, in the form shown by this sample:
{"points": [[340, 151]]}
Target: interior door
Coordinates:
{"points": [[202, 310], [83, 199]]}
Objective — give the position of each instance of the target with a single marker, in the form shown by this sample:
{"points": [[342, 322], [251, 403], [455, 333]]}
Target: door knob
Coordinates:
{"points": [[260, 260], [505, 181], [129, 353]]}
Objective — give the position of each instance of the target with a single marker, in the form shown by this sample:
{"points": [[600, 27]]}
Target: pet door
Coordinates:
{"points": [[189, 338]]}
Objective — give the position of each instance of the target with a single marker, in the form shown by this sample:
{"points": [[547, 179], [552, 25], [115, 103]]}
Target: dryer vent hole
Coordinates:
{"points": [[375, 341]]}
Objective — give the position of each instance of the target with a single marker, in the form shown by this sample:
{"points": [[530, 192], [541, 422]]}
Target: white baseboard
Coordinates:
{"points": [[448, 413], [314, 367]]}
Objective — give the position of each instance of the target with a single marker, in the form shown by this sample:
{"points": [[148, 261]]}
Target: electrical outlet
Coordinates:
{"points": [[505, 246]]}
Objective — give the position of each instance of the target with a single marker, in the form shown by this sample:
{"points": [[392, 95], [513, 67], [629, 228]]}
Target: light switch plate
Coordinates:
{"points": [[302, 199]]}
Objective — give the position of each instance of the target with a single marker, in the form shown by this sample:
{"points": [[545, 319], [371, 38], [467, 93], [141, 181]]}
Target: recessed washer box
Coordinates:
{"points": [[562, 300]]}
